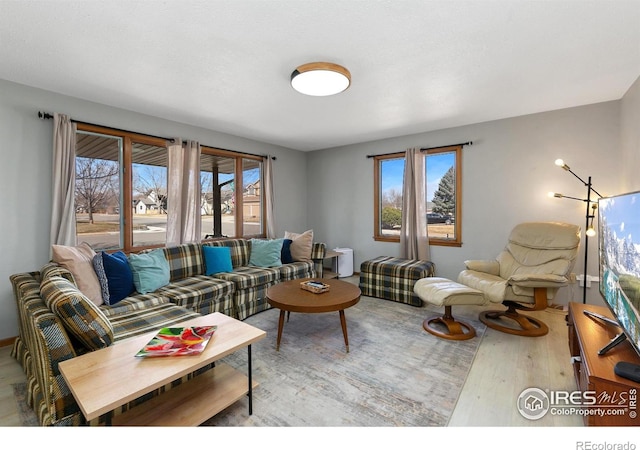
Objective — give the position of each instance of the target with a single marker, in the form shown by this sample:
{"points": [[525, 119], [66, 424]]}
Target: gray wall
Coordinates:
{"points": [[505, 179], [506, 175], [630, 137], [25, 175]]}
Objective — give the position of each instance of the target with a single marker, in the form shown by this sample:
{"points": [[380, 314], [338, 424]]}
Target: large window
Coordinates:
{"points": [[121, 191], [98, 198], [232, 198], [443, 205]]}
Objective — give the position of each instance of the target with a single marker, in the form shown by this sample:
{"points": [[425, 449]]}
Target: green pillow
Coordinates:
{"points": [[266, 252], [150, 270], [79, 315]]}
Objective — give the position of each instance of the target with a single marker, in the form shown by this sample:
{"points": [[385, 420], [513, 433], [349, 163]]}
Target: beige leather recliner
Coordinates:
{"points": [[526, 275]]}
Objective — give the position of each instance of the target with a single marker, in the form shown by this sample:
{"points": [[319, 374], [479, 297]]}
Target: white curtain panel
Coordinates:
{"points": [[183, 193], [63, 215], [269, 198], [414, 241]]}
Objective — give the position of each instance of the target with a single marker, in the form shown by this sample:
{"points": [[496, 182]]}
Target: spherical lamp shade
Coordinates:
{"points": [[320, 79]]}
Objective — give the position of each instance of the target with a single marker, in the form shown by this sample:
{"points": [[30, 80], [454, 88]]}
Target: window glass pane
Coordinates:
{"points": [[391, 176], [98, 189], [122, 191], [441, 195], [149, 194], [251, 197], [217, 180]]}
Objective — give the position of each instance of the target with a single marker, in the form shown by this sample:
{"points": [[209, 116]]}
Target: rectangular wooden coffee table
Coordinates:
{"points": [[105, 379]]}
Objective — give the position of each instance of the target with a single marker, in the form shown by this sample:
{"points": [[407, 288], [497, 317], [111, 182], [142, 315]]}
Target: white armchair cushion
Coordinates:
{"points": [[538, 280], [492, 286], [546, 236], [516, 260], [490, 266]]}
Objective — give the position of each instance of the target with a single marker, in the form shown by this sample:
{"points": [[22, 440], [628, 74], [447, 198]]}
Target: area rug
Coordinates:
{"points": [[395, 374], [27, 417]]}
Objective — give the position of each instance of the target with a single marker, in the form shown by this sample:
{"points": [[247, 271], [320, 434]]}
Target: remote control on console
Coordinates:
{"points": [[601, 317], [627, 370]]}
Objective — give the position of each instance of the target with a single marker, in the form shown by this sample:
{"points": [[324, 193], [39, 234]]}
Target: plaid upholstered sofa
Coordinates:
{"points": [[46, 297]]}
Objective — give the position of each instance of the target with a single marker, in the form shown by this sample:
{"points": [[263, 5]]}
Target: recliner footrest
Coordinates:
{"points": [[444, 292]]}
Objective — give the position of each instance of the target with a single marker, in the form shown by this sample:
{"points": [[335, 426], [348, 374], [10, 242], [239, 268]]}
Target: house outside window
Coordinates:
{"points": [[443, 195], [116, 168]]}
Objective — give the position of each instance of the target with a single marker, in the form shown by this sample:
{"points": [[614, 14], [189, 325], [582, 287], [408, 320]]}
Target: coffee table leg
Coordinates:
{"points": [[249, 373], [343, 322], [280, 325]]}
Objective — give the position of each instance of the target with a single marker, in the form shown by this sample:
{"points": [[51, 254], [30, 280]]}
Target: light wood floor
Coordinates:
{"points": [[10, 372], [504, 366]]}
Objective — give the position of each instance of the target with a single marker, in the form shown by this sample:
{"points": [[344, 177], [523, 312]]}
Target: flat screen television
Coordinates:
{"points": [[619, 254]]}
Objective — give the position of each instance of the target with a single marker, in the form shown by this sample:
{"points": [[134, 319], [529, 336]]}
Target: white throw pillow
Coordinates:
{"points": [[79, 261], [301, 245]]}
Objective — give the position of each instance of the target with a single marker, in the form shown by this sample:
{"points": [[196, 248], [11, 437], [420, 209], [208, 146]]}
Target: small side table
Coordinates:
{"points": [[330, 254]]}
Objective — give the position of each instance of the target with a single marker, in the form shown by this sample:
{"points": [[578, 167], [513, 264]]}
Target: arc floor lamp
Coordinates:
{"points": [[591, 207]]}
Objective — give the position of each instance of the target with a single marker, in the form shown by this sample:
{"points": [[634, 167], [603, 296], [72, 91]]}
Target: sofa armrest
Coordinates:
{"points": [[318, 251], [44, 343], [491, 267]]}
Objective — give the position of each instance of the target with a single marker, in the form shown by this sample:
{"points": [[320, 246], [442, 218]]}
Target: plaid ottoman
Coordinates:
{"points": [[393, 278]]}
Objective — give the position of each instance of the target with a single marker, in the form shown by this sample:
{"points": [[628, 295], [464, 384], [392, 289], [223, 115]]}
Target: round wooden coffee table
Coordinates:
{"points": [[289, 297]]}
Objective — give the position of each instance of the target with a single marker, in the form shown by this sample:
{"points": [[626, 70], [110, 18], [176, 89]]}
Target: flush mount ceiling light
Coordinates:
{"points": [[320, 79]]}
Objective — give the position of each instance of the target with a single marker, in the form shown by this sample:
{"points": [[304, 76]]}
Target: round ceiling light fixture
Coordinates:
{"points": [[320, 79]]}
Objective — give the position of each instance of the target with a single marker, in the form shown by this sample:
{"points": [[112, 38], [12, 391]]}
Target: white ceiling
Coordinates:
{"points": [[416, 65]]}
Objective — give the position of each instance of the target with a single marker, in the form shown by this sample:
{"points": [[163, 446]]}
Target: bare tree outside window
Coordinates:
{"points": [[150, 182], [98, 196], [122, 189], [96, 185]]}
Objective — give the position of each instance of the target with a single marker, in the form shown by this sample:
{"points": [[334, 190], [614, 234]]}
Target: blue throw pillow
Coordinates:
{"points": [[266, 253], [216, 259], [119, 276], [285, 254], [150, 270], [115, 276]]}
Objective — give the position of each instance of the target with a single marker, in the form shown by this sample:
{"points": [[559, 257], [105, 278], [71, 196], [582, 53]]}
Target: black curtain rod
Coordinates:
{"points": [[462, 144], [46, 115], [424, 149]]}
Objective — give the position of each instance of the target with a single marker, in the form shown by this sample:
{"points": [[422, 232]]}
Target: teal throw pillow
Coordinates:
{"points": [[150, 270], [266, 253], [216, 259]]}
